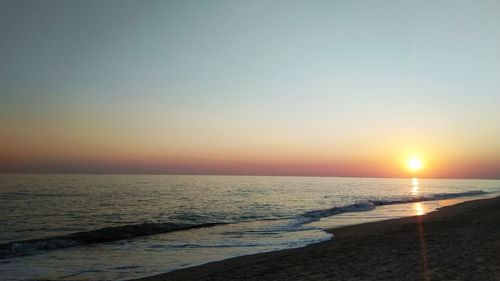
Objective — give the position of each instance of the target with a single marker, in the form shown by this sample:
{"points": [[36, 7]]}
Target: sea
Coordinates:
{"points": [[120, 227]]}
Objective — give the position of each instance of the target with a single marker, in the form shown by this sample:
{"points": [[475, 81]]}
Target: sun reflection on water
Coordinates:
{"points": [[414, 187], [419, 209]]}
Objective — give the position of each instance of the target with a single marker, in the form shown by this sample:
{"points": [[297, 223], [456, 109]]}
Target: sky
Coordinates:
{"points": [[313, 88]]}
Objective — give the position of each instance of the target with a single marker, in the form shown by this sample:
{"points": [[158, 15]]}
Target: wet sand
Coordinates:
{"points": [[459, 242]]}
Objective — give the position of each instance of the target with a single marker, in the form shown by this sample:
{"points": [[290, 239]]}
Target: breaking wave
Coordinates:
{"points": [[107, 234], [369, 205]]}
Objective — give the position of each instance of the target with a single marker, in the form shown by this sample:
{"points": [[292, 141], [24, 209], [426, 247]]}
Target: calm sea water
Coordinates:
{"points": [[109, 227]]}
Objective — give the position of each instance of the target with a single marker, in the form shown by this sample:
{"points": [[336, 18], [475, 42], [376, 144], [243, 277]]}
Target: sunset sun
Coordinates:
{"points": [[415, 164]]}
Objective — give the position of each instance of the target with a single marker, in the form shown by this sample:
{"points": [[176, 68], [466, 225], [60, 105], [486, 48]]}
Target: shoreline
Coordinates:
{"points": [[455, 242]]}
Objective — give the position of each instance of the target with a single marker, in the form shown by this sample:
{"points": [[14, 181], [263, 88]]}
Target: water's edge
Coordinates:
{"points": [[473, 197], [110, 234]]}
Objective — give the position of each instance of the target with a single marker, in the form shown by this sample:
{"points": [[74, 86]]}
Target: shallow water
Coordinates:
{"points": [[260, 214]]}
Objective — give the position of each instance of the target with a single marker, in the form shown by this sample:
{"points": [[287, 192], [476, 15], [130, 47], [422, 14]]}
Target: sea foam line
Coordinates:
{"points": [[109, 234], [369, 205]]}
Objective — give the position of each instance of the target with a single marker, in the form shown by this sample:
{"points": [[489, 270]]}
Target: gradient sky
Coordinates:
{"points": [[346, 88]]}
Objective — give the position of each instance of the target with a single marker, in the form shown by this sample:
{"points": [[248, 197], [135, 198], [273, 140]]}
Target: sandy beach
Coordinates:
{"points": [[459, 242]]}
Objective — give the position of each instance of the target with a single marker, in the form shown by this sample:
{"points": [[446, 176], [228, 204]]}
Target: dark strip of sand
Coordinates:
{"points": [[459, 242]]}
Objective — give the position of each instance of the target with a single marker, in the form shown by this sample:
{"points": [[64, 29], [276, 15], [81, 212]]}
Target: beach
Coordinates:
{"points": [[458, 242]]}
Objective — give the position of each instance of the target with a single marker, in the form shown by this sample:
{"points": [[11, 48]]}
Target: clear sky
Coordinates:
{"points": [[347, 88]]}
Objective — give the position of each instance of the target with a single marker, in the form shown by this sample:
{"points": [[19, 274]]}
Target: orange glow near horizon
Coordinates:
{"points": [[371, 159]]}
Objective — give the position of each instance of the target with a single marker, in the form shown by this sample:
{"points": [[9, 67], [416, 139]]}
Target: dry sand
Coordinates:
{"points": [[459, 242]]}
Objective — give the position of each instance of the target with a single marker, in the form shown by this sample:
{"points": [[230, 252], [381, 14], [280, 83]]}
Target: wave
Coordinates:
{"points": [[107, 234], [369, 205], [430, 197], [110, 234]]}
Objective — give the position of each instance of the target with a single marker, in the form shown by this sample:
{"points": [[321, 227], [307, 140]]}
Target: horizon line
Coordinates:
{"points": [[238, 175]]}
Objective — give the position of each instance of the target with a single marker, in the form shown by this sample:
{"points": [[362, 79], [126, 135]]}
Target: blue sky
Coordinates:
{"points": [[279, 81]]}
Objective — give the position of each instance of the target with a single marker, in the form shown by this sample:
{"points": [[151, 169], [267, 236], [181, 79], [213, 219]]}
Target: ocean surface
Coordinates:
{"points": [[118, 227]]}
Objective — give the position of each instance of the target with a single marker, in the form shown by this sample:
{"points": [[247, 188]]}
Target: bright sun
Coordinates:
{"points": [[414, 164]]}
